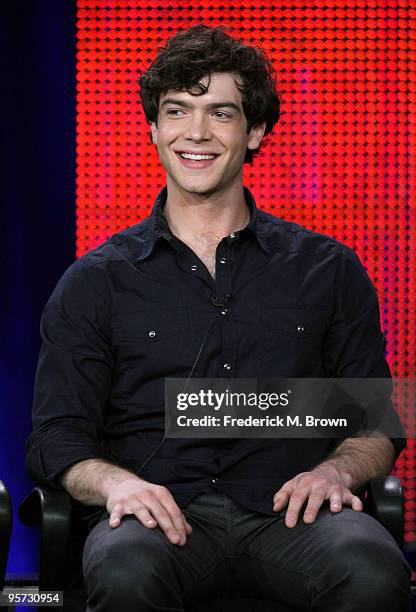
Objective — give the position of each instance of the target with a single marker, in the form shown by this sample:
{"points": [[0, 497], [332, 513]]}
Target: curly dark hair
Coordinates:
{"points": [[201, 50]]}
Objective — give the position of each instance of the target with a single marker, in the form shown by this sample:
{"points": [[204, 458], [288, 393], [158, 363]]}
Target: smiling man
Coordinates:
{"points": [[202, 142], [207, 132], [211, 286]]}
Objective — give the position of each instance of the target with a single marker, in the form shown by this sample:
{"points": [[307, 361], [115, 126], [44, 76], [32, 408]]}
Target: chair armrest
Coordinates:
{"points": [[384, 501], [5, 530], [49, 509]]}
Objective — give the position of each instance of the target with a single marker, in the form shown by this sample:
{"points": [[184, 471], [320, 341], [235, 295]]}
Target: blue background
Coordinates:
{"points": [[38, 216]]}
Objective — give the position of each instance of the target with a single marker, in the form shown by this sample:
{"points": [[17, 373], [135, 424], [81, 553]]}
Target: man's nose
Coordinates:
{"points": [[198, 128]]}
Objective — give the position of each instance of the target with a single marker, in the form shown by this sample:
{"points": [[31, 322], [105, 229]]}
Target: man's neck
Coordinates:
{"points": [[193, 217]]}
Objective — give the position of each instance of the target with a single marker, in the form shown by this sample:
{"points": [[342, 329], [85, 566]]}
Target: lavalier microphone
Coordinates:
{"points": [[219, 302]]}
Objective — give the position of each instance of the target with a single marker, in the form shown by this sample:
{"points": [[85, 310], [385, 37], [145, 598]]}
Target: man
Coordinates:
{"points": [[210, 286]]}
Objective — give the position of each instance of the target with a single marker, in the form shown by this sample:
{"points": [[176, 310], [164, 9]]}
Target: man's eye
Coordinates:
{"points": [[222, 115], [174, 111]]}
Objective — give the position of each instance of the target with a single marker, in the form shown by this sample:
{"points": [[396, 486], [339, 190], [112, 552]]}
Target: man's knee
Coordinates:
{"points": [[371, 572], [129, 544], [128, 565]]}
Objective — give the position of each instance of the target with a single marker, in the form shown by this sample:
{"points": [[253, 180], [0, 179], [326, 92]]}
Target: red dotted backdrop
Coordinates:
{"points": [[340, 161]]}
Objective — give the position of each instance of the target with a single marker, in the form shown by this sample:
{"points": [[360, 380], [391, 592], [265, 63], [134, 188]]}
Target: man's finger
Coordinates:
{"points": [[356, 503], [295, 504], [144, 516], [316, 499], [280, 500], [335, 503], [177, 517], [179, 522], [165, 521], [115, 516]]}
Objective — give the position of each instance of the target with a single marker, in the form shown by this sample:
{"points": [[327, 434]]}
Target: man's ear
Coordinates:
{"points": [[153, 131], [256, 135]]}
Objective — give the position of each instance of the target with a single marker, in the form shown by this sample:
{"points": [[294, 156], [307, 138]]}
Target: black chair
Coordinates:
{"points": [[63, 532], [5, 530]]}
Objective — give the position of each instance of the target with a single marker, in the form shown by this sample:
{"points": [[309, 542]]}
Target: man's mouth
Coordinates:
{"points": [[197, 156], [196, 160]]}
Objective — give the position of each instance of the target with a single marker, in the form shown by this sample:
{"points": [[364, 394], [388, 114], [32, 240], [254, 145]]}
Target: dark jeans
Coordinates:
{"points": [[340, 563]]}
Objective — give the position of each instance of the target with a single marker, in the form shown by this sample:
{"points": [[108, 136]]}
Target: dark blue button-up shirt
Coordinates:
{"points": [[138, 308]]}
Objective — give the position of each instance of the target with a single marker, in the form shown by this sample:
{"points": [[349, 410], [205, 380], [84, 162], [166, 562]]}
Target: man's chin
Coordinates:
{"points": [[198, 188]]}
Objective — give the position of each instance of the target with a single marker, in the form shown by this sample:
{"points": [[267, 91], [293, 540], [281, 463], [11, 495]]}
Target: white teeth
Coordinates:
{"points": [[195, 156]]}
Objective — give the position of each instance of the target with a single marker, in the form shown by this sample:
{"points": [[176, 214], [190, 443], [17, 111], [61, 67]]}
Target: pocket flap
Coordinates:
{"points": [[150, 325], [299, 321]]}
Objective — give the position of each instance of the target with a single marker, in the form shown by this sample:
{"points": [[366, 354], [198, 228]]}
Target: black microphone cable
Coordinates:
{"points": [[219, 303]]}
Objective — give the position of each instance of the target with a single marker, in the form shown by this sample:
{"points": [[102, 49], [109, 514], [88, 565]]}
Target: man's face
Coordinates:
{"points": [[212, 125]]}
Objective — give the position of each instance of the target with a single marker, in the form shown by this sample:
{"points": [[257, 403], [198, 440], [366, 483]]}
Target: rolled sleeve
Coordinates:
{"points": [[354, 343], [73, 378]]}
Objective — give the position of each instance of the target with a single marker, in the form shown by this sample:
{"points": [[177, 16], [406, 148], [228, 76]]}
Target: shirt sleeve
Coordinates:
{"points": [[73, 378], [354, 343]]}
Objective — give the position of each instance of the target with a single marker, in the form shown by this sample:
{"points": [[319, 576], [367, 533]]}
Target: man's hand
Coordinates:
{"points": [[152, 504], [98, 482], [322, 483]]}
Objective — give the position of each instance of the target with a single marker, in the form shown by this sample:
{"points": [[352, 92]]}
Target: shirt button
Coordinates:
{"points": [[232, 235], [223, 260], [193, 268], [214, 480], [227, 366], [152, 333], [301, 328], [224, 312]]}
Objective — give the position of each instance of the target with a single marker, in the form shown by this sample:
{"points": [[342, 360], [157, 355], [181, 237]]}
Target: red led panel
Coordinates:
{"points": [[340, 161]]}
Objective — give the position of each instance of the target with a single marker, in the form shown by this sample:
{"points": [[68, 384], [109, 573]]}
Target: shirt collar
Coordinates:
{"points": [[159, 229]]}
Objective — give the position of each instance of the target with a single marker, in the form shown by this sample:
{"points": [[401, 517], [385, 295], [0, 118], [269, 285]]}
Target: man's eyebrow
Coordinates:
{"points": [[211, 106]]}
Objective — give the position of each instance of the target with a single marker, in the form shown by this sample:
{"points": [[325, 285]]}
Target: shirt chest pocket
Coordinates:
{"points": [[296, 328], [159, 335]]}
